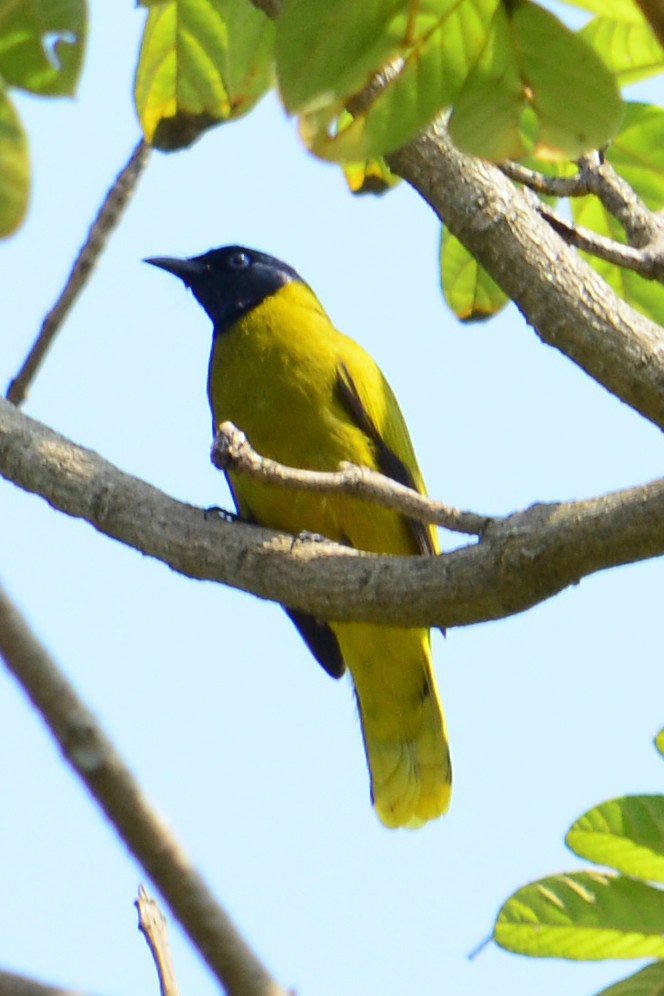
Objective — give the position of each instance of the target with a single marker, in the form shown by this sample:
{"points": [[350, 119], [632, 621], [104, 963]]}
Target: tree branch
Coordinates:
{"points": [[231, 448], [109, 216], [521, 560], [98, 765], [20, 985], [567, 302]]}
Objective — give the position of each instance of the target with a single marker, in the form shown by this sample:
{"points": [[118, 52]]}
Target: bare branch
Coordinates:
{"points": [[567, 302], [521, 560], [152, 924], [231, 448], [598, 245], [596, 176], [640, 223], [109, 216], [99, 766], [552, 186], [19, 985]]}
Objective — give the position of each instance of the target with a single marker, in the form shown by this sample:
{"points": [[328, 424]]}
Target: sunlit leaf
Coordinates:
{"points": [[535, 67], [648, 982], [371, 177], [584, 915], [447, 38], [637, 152], [659, 742], [645, 295], [628, 47], [471, 294], [201, 62], [626, 834], [620, 9], [327, 51], [14, 168], [42, 43]]}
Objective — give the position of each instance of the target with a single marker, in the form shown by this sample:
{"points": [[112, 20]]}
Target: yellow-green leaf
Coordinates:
{"points": [[14, 168], [620, 9], [648, 982], [201, 62], [327, 51], [470, 292], [534, 67], [42, 43], [637, 152], [584, 915], [659, 742], [371, 177], [628, 47], [625, 833], [436, 54]]}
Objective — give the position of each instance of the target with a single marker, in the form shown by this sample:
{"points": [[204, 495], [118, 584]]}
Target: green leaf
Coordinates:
{"points": [[437, 52], [201, 62], [648, 982], [637, 152], [659, 742], [625, 833], [471, 294], [41, 44], [645, 295], [583, 915], [14, 168], [535, 67], [623, 9], [628, 47], [326, 51]]}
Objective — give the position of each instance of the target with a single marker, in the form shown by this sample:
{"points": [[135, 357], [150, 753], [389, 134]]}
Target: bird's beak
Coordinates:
{"points": [[185, 269]]}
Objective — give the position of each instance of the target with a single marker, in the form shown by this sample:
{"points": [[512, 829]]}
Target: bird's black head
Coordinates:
{"points": [[230, 281]]}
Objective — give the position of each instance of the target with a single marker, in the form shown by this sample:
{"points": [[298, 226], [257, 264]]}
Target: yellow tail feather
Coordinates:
{"points": [[402, 721]]}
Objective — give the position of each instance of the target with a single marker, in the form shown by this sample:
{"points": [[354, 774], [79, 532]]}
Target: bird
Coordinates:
{"points": [[309, 396]]}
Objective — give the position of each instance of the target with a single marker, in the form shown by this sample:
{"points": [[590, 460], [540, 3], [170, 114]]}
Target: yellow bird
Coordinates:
{"points": [[310, 397]]}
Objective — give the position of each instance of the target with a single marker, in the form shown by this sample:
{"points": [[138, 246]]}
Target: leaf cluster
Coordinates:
{"points": [[594, 914]]}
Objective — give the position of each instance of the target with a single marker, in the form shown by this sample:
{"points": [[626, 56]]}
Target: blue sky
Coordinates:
{"points": [[252, 753]]}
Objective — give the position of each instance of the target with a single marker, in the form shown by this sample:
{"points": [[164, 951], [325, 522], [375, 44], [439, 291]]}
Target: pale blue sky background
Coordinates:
{"points": [[249, 749]]}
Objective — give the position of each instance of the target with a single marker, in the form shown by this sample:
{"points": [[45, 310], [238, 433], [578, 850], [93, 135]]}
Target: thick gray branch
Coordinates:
{"points": [[521, 560], [566, 301]]}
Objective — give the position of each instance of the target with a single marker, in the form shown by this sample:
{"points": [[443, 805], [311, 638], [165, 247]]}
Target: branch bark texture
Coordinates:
{"points": [[521, 560]]}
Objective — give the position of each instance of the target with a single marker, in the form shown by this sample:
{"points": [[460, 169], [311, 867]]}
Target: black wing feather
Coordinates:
{"points": [[388, 462]]}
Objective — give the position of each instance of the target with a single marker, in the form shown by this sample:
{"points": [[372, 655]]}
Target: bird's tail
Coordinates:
{"points": [[402, 721]]}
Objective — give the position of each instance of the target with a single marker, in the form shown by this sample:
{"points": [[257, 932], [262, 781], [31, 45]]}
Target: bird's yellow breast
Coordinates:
{"points": [[275, 374]]}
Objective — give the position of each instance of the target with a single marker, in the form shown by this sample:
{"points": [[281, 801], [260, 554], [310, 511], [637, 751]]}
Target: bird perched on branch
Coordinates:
{"points": [[310, 397]]}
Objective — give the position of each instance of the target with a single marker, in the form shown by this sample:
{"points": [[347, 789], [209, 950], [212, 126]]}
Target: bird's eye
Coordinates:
{"points": [[239, 260]]}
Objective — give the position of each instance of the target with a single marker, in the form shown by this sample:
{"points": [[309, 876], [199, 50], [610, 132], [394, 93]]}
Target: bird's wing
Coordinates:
{"points": [[395, 456]]}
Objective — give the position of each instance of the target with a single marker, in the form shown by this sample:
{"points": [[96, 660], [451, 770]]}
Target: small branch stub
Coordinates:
{"points": [[152, 924]]}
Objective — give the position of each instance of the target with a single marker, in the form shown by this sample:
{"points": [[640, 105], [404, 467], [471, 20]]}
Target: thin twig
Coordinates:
{"points": [[640, 223], [595, 176], [598, 245], [152, 924], [551, 186], [107, 219], [231, 448], [96, 762]]}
